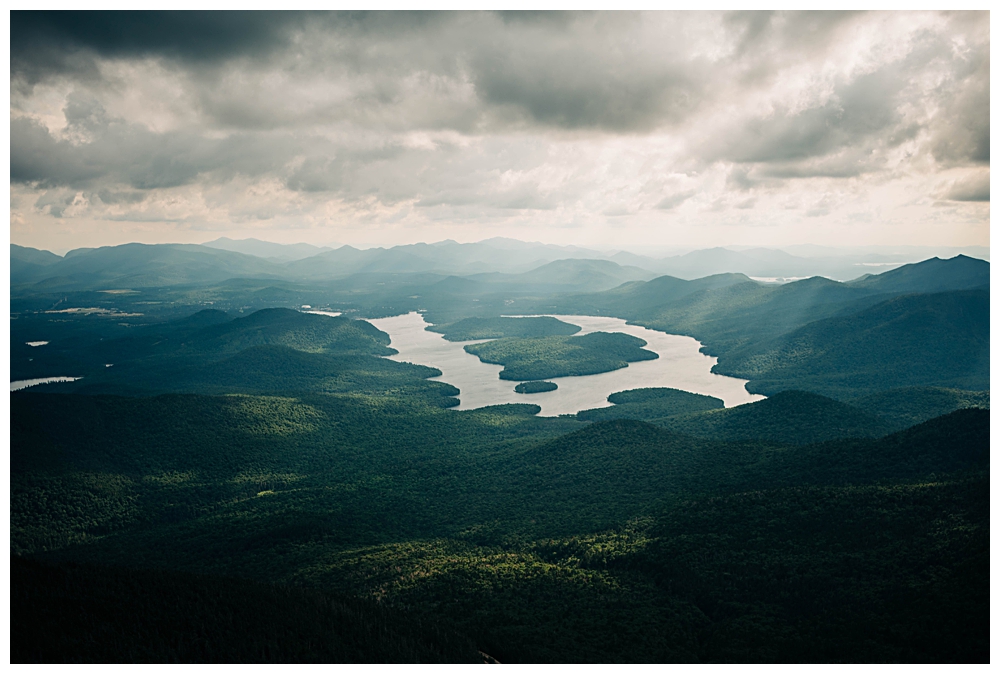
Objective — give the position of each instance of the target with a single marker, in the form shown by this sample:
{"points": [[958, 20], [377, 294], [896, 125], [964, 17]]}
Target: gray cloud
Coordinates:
{"points": [[128, 154], [961, 131], [674, 200], [120, 197], [764, 36], [847, 163], [582, 74], [973, 188], [867, 117], [864, 110], [566, 70], [739, 179], [47, 43], [494, 115]]}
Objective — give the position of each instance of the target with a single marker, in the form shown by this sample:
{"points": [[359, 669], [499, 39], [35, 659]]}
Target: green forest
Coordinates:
{"points": [[469, 329], [236, 480], [536, 387], [545, 357]]}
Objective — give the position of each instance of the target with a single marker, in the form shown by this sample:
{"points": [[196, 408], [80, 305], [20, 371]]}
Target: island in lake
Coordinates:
{"points": [[535, 387]]}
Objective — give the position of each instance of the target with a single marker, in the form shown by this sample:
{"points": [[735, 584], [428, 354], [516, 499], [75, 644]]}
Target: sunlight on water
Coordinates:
{"points": [[681, 365], [25, 383]]}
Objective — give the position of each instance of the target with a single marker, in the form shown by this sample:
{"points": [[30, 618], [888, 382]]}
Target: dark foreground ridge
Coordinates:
{"points": [[82, 613], [235, 480]]}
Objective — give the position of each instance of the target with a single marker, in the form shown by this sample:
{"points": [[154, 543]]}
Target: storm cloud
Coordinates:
{"points": [[401, 126]]}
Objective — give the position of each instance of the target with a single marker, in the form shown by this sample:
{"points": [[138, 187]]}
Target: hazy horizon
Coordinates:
{"points": [[656, 252], [660, 337], [622, 131]]}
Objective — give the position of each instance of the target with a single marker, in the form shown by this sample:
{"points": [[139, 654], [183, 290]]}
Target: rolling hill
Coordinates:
{"points": [[651, 404], [788, 417], [276, 252], [939, 339], [930, 276], [140, 265], [287, 327]]}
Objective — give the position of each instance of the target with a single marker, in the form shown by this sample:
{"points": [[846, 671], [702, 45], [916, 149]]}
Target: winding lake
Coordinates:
{"points": [[681, 365]]}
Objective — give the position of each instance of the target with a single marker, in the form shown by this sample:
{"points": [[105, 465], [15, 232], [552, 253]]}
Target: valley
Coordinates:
{"points": [[361, 440], [471, 337]]}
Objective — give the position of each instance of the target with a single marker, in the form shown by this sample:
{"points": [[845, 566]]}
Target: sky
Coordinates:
{"points": [[613, 130]]}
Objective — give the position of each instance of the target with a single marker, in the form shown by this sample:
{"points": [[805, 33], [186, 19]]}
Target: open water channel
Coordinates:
{"points": [[680, 365]]}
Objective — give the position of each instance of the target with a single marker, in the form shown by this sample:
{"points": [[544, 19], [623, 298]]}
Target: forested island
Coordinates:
{"points": [[546, 357], [469, 329], [478, 337], [257, 455], [536, 387]]}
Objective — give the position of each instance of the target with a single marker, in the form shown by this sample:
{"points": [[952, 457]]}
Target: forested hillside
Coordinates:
{"points": [[225, 450], [286, 389], [502, 527], [844, 340], [544, 357], [937, 339]]}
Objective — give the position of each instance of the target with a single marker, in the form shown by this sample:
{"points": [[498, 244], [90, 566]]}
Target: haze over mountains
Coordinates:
{"points": [[722, 396], [923, 324], [278, 252], [218, 427], [145, 265]]}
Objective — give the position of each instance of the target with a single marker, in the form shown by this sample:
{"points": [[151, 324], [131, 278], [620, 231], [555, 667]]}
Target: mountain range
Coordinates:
{"points": [[145, 266]]}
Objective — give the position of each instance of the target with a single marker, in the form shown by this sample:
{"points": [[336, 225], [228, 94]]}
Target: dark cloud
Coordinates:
{"points": [[961, 132], [481, 112], [476, 71], [114, 151], [317, 174], [36, 157], [564, 70], [580, 73], [44, 42], [864, 110]]}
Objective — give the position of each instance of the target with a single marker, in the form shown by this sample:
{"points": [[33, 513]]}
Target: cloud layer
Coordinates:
{"points": [[613, 129]]}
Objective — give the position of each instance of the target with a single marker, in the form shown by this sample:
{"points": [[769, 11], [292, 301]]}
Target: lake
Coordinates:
{"points": [[681, 365], [25, 383]]}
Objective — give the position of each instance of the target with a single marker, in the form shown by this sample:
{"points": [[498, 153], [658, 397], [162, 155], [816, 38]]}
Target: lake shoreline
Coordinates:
{"points": [[680, 365]]}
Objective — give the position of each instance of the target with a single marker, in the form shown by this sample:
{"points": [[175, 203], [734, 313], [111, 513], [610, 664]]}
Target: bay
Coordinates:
{"points": [[680, 365]]}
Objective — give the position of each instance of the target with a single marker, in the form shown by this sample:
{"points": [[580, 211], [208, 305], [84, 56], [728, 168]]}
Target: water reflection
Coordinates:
{"points": [[25, 383], [681, 365]]}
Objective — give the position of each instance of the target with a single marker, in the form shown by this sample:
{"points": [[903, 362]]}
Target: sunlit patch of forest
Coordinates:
{"points": [[216, 458]]}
